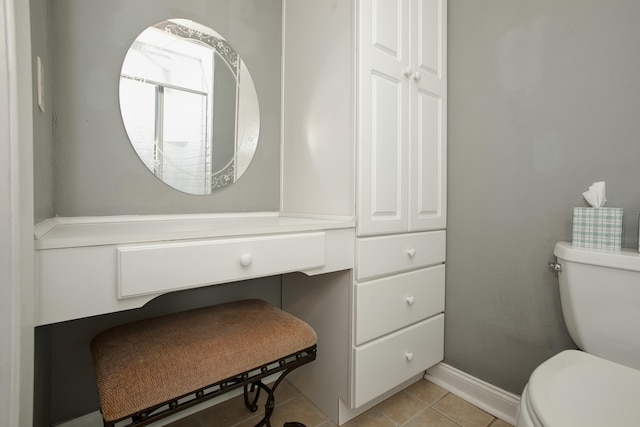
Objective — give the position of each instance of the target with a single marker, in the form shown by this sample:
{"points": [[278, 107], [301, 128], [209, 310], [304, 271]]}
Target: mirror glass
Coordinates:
{"points": [[189, 106]]}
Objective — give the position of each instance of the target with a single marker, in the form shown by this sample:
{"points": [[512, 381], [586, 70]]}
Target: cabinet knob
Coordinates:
{"points": [[246, 260], [411, 299], [417, 76], [411, 252], [409, 356], [407, 72]]}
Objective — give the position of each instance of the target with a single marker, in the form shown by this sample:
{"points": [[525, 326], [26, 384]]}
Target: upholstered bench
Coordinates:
{"points": [[149, 369]]}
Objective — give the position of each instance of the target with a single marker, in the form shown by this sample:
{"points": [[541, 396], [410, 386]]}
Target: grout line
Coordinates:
{"points": [[296, 394], [415, 416], [448, 417], [384, 416]]}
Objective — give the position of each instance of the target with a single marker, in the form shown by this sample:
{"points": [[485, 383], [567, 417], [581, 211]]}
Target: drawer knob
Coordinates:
{"points": [[246, 260], [411, 252], [411, 299], [409, 356]]}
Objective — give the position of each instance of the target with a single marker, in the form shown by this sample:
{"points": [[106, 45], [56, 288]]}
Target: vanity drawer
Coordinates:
{"points": [[404, 299], [380, 256], [154, 268], [385, 363]]}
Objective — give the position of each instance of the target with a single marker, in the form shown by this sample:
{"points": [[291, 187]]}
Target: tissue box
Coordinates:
{"points": [[597, 228]]}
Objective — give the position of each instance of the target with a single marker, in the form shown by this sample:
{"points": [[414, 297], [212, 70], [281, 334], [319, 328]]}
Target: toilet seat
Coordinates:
{"points": [[575, 388], [525, 416]]}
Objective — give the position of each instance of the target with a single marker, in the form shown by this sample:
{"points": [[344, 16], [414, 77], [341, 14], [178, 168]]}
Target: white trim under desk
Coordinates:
{"points": [[87, 266]]}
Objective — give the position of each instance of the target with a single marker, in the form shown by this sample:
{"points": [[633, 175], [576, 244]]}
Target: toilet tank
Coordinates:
{"points": [[600, 296]]}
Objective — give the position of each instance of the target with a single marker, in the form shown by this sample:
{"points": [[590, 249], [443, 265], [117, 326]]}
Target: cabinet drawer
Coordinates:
{"points": [[383, 364], [380, 256], [404, 299], [157, 268]]}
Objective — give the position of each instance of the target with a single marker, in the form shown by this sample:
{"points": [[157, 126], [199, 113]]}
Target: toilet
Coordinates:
{"points": [[599, 385]]}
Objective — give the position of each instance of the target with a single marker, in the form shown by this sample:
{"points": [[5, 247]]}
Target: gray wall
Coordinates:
{"points": [[544, 99], [95, 170]]}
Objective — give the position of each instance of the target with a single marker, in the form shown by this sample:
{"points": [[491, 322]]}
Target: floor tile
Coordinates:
{"points": [[371, 418], [225, 414], [500, 423], [419, 405], [462, 412], [297, 409], [426, 391], [430, 418], [400, 407]]}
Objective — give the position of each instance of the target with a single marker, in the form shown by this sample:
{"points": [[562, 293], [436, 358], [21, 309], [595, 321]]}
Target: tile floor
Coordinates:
{"points": [[422, 404]]}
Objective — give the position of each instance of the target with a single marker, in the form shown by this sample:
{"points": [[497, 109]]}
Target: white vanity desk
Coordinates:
{"points": [[96, 265]]}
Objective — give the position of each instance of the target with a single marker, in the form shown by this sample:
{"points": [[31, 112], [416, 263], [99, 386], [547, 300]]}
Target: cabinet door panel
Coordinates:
{"points": [[386, 156], [429, 46], [428, 200], [383, 117], [429, 119], [386, 24]]}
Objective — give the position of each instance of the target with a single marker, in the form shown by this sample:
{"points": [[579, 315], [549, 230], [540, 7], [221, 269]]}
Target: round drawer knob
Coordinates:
{"points": [[246, 260], [407, 72], [409, 356], [411, 252], [417, 76], [411, 299]]}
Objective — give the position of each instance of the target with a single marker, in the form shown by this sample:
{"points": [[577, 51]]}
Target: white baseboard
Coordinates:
{"points": [[499, 403]]}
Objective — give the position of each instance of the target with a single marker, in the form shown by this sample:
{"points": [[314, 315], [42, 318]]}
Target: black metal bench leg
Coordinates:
{"points": [[252, 404], [270, 405]]}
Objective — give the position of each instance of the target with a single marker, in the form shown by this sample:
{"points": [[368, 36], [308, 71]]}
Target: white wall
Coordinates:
{"points": [[318, 129]]}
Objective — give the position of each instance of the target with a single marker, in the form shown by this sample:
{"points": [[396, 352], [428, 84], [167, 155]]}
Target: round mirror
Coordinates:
{"points": [[189, 106]]}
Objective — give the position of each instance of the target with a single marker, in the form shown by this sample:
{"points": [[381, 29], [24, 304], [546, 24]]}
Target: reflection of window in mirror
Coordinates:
{"points": [[189, 106], [168, 83]]}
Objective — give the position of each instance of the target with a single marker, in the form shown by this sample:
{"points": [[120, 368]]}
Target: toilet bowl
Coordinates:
{"points": [[598, 385], [575, 388]]}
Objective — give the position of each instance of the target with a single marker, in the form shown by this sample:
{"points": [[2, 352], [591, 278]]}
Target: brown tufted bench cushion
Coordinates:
{"points": [[151, 362]]}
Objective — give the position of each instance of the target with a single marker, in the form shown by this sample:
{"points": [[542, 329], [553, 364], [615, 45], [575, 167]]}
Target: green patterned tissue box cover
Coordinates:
{"points": [[597, 228]]}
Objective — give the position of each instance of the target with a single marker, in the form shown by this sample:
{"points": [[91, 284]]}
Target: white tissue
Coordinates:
{"points": [[595, 195]]}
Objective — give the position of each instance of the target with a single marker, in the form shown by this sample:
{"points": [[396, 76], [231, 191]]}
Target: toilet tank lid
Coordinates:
{"points": [[625, 259]]}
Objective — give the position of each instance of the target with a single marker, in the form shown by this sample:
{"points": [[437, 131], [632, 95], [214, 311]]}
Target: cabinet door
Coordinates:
{"points": [[428, 115], [383, 116]]}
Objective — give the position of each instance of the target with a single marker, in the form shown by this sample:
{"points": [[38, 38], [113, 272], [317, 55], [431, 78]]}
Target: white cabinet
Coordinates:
{"points": [[401, 99], [399, 284], [401, 194], [96, 265], [396, 127]]}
